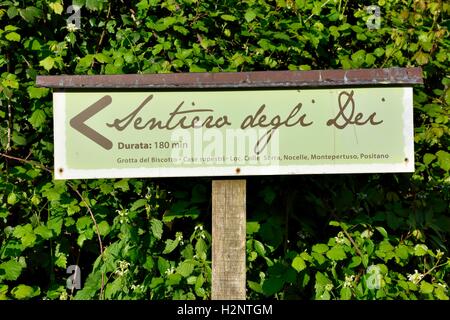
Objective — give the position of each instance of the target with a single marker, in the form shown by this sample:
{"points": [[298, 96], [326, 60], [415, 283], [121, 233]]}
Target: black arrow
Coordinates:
{"points": [[78, 122]]}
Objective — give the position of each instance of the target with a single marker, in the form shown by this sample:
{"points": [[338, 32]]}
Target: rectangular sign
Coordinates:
{"points": [[116, 134]]}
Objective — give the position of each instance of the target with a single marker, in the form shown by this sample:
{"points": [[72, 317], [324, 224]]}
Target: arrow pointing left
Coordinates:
{"points": [[78, 122]]}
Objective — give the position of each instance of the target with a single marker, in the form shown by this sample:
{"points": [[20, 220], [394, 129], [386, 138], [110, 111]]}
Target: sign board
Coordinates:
{"points": [[217, 132]]}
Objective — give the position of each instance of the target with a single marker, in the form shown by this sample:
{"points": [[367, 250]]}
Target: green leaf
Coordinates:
{"points": [[402, 252], [113, 288], [259, 247], [421, 57], [18, 139], [255, 286], [201, 247], [228, 17], [25, 234], [298, 264], [359, 57], [318, 257], [149, 263], [95, 5], [346, 293], [185, 268], [11, 270], [102, 58], [84, 63], [379, 52], [11, 82], [48, 63], [104, 228], [37, 93], [382, 231], [322, 279], [23, 292], [163, 265], [320, 248], [170, 245], [12, 198], [156, 282], [420, 250], [12, 12], [336, 253], [250, 15], [55, 224], [173, 279], [90, 286], [428, 158], [440, 293], [38, 118], [356, 261], [172, 214], [157, 228], [138, 204], [13, 36], [83, 223], [370, 60], [272, 285], [443, 159], [426, 288], [30, 13], [56, 7], [61, 261], [122, 184], [3, 292], [252, 227], [200, 281], [43, 231]]}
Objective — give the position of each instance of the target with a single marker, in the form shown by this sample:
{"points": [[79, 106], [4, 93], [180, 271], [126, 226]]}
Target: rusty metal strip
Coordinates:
{"points": [[256, 79]]}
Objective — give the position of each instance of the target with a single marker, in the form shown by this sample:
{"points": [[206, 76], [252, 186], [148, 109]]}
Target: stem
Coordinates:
{"points": [[96, 230], [320, 7], [436, 265], [104, 30], [358, 251], [349, 237], [10, 124]]}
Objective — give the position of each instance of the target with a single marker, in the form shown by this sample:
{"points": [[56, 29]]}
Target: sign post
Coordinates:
{"points": [[228, 239], [233, 125]]}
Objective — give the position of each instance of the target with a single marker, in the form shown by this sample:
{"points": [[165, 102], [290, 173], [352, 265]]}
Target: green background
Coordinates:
{"points": [[308, 236]]}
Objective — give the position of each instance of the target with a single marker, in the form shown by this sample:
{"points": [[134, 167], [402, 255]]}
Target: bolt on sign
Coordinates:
{"points": [[228, 124]]}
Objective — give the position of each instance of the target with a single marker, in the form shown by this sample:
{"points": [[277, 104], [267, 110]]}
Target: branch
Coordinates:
{"points": [[33, 163]]}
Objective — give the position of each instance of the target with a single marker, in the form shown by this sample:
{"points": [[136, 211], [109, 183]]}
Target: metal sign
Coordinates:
{"points": [[157, 133]]}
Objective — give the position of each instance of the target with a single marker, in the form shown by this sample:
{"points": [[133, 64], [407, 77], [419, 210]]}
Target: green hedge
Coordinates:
{"points": [[379, 236]]}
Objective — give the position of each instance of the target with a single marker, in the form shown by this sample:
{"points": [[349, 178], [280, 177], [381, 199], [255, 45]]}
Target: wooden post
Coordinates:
{"points": [[228, 239]]}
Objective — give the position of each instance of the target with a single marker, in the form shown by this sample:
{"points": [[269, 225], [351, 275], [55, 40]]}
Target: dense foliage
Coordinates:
{"points": [[379, 236]]}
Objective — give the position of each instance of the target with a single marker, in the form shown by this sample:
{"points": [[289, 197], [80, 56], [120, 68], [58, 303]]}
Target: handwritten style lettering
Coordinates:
{"points": [[347, 117], [259, 119], [177, 119], [185, 118]]}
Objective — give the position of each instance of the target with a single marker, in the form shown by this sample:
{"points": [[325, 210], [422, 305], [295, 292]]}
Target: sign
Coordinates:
{"points": [[165, 133]]}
